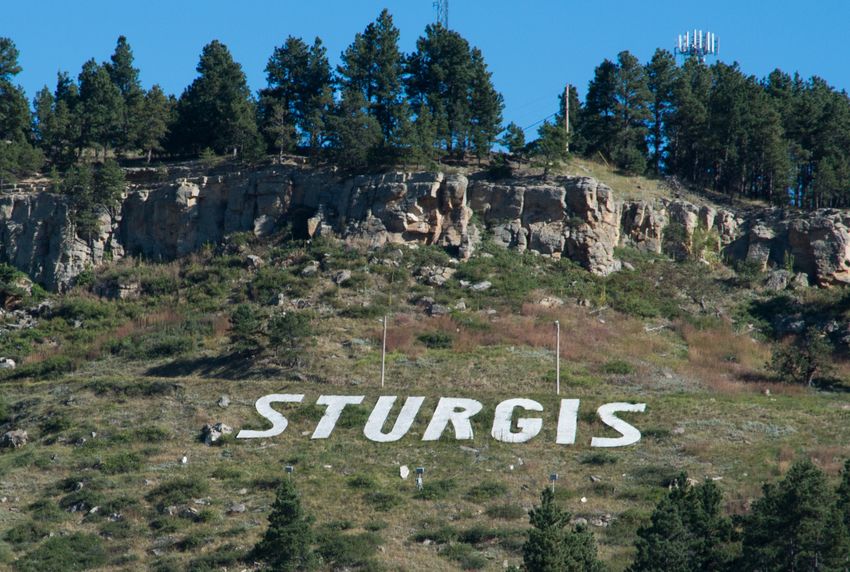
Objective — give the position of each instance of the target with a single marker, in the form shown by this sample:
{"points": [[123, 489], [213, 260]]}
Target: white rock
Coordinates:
{"points": [[404, 471]]}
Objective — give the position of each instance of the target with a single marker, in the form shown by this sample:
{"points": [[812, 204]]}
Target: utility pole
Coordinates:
{"points": [[384, 352], [567, 114], [557, 357]]}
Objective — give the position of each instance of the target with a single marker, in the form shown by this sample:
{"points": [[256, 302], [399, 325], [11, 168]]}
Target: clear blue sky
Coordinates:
{"points": [[533, 47]]}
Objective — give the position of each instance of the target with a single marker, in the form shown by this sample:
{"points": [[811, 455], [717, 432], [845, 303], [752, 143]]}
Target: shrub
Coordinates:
{"points": [[617, 367], [505, 511], [65, 553], [442, 534], [362, 482], [436, 490], [288, 332], [465, 556], [25, 533], [486, 491], [803, 361], [598, 458], [178, 491], [123, 462], [348, 550], [381, 501], [436, 340]]}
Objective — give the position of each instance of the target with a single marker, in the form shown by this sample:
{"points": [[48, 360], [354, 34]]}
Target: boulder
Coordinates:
{"points": [[778, 280], [211, 434], [342, 277], [14, 439], [7, 363]]}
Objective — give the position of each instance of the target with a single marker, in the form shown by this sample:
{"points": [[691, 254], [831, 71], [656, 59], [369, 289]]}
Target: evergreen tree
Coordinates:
{"points": [[485, 107], [688, 124], [92, 193], [100, 109], [439, 76], [157, 109], [287, 544], [687, 532], [660, 77], [631, 97], [126, 78], [553, 546], [796, 525], [217, 110], [355, 136], [551, 145], [373, 66], [17, 155], [513, 139], [298, 94]]}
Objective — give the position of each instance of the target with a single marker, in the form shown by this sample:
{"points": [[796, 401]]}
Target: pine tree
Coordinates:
{"points": [[796, 525], [514, 139], [439, 75], [17, 155], [157, 110], [485, 107], [126, 78], [553, 546], [631, 97], [298, 95], [660, 75], [550, 149], [373, 66], [355, 136], [687, 532], [100, 109], [217, 110], [287, 544]]}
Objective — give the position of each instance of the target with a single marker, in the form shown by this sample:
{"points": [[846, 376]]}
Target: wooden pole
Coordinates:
{"points": [[557, 357], [567, 114], [384, 352]]}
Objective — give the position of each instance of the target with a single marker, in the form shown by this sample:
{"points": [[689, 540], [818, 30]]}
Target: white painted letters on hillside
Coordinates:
{"points": [[335, 403], [567, 422], [630, 435], [455, 410], [528, 427], [278, 421], [374, 429]]}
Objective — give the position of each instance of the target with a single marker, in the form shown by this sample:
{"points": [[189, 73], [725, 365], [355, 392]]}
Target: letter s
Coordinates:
{"points": [[278, 421], [630, 435]]}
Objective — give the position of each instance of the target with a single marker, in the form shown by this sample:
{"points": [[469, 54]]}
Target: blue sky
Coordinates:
{"points": [[533, 47]]}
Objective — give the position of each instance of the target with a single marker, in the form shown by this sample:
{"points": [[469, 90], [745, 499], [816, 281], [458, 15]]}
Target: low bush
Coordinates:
{"points": [[177, 491], [123, 462], [381, 501], [436, 490], [347, 550], [436, 340], [65, 553], [486, 491], [598, 458], [506, 511]]}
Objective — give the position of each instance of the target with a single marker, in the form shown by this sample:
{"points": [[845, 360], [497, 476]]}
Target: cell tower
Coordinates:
{"points": [[697, 44], [442, 9]]}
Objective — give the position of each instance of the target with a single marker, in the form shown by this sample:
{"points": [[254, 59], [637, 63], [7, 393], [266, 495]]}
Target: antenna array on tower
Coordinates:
{"points": [[697, 44]]}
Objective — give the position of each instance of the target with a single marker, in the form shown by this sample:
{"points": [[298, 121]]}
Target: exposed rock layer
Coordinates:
{"points": [[575, 217]]}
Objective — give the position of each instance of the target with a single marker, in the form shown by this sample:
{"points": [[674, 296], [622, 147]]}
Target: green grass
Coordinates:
{"points": [[145, 375]]}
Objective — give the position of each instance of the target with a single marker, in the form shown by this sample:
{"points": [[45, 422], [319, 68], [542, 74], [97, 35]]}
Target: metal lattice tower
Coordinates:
{"points": [[442, 9]]}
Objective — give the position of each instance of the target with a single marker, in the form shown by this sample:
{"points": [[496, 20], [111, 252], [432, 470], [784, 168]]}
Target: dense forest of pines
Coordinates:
{"points": [[782, 139]]}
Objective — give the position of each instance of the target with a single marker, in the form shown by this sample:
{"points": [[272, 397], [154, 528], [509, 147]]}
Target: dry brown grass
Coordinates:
{"points": [[830, 458], [724, 361]]}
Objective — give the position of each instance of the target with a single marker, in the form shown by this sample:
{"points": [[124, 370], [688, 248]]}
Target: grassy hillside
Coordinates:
{"points": [[114, 392]]}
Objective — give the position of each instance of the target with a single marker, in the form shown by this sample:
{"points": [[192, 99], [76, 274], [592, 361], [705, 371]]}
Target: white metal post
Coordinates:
{"points": [[557, 357], [384, 352]]}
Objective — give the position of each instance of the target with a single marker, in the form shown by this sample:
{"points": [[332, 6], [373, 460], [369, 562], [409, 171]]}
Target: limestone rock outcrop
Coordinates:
{"points": [[575, 217]]}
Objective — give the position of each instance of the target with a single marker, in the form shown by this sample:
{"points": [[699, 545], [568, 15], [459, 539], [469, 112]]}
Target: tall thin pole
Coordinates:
{"points": [[567, 114], [557, 357], [384, 352]]}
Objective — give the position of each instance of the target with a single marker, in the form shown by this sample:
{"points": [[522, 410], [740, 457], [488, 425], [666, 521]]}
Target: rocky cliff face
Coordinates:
{"points": [[575, 217]]}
